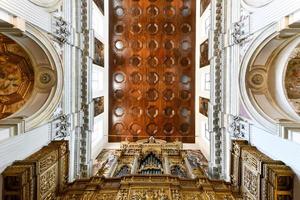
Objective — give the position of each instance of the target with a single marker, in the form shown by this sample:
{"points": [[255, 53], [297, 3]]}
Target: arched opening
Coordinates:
{"points": [[30, 82], [269, 79]]}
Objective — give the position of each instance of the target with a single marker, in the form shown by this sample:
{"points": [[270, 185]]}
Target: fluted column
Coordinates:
{"points": [[166, 164], [188, 166], [135, 163]]}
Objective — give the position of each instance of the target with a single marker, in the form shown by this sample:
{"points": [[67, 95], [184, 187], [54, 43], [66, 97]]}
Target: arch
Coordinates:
{"points": [[48, 76], [262, 76]]}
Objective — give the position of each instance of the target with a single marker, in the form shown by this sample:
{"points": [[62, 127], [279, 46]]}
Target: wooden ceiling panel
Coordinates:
{"points": [[152, 70]]}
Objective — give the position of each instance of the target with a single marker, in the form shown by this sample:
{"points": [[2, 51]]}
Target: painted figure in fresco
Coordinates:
{"points": [[10, 77]]}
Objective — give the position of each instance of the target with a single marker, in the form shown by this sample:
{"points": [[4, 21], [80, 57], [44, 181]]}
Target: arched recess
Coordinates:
{"points": [[263, 79], [48, 79]]}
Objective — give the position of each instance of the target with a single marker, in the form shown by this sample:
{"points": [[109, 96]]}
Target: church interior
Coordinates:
{"points": [[149, 100]]}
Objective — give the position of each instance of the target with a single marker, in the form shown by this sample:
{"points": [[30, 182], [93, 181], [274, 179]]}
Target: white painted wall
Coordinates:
{"points": [[98, 140], [98, 23], [100, 84], [98, 81], [202, 26], [22, 146]]}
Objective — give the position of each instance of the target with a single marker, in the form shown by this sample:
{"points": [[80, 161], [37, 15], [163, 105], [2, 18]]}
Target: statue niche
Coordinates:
{"points": [[151, 165]]}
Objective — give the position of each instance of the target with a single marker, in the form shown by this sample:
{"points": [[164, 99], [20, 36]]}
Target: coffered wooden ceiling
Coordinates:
{"points": [[152, 68]]}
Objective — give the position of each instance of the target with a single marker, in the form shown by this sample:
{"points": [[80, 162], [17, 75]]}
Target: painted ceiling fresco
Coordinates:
{"points": [[16, 77], [292, 80]]}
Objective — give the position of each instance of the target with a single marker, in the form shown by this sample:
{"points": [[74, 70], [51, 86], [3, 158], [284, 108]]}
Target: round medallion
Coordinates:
{"points": [[153, 45], [169, 112], [136, 78], [186, 11], [118, 94], [257, 79], [152, 94], [184, 128], [186, 28], [169, 78], [152, 129], [152, 112], [169, 11], [169, 28], [136, 11], [185, 45], [45, 78], [135, 129], [135, 61], [119, 77], [152, 11], [168, 128], [119, 11], [152, 78], [136, 28], [185, 112], [185, 62], [168, 95], [119, 28], [185, 79], [119, 45], [119, 111], [152, 61], [185, 95], [152, 28]]}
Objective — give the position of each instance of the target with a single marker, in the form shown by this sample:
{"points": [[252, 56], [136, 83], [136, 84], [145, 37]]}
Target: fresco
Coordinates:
{"points": [[292, 82], [16, 77]]}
